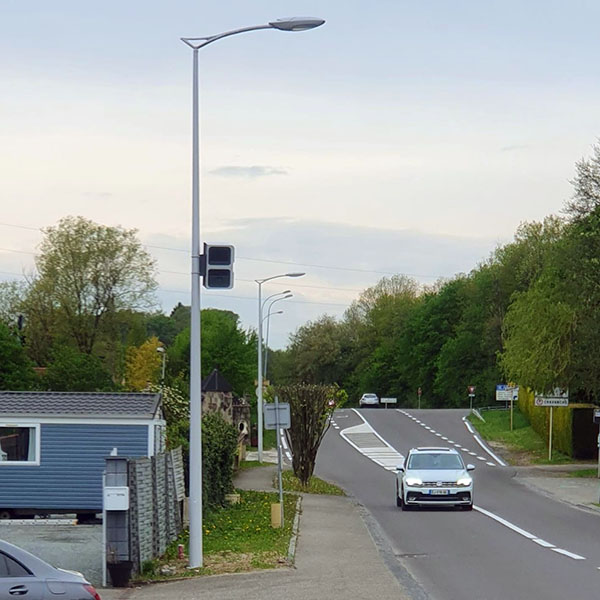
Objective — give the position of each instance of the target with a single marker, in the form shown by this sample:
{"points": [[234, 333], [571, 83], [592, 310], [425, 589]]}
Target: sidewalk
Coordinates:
{"points": [[336, 559], [550, 480]]}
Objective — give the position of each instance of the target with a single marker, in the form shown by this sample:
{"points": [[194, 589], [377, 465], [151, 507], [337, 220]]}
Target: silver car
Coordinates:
{"points": [[434, 477], [26, 575], [369, 400]]}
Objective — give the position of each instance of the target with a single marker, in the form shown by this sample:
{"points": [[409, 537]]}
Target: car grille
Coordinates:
{"points": [[435, 484], [418, 497]]}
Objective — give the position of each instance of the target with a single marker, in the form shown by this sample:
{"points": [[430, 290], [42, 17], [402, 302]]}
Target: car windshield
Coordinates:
{"points": [[369, 396], [435, 461]]}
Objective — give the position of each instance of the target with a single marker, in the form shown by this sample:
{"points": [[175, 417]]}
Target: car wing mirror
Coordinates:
{"points": [[400, 468], [470, 467]]}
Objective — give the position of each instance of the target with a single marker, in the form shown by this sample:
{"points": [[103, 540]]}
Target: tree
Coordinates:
{"points": [[74, 371], [16, 370], [311, 408], [225, 346], [143, 365], [87, 272]]}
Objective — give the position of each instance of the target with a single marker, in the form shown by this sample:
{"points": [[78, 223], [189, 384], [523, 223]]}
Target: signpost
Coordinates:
{"points": [[419, 392], [387, 401], [507, 393], [558, 397], [277, 416], [471, 389], [597, 420]]}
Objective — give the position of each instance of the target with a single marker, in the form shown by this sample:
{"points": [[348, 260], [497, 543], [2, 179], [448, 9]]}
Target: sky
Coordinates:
{"points": [[399, 137]]}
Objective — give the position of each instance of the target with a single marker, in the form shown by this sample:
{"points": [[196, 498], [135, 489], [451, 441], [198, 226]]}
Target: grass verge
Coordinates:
{"points": [[591, 473], [522, 445], [291, 483], [236, 538]]}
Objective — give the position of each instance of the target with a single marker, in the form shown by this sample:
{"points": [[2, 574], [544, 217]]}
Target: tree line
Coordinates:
{"points": [[528, 314]]}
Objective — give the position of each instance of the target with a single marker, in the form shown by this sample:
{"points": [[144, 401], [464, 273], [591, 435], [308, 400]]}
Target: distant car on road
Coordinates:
{"points": [[26, 575], [434, 477], [368, 400]]}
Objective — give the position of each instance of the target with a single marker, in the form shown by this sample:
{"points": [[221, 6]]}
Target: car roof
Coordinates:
{"points": [[433, 449]]}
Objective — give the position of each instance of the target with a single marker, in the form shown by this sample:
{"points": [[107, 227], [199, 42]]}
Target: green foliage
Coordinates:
{"points": [[87, 273], [16, 370], [74, 371], [219, 445], [225, 346]]}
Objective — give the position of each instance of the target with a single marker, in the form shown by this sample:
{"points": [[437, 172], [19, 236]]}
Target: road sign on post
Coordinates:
{"points": [[471, 389], [387, 401], [558, 397]]}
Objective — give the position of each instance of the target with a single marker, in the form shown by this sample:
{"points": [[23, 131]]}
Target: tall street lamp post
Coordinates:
{"points": [[195, 462], [266, 350], [259, 387]]}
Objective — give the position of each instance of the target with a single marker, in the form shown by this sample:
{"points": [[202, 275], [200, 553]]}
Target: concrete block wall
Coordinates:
{"points": [[155, 518]]}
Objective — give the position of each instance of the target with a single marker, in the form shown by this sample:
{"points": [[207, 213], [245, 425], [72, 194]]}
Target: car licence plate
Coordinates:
{"points": [[439, 492]]}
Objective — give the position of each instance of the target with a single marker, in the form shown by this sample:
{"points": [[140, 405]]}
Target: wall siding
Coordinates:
{"points": [[72, 462]]}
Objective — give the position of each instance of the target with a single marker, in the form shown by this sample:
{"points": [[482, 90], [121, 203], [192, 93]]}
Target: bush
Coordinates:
{"points": [[219, 444], [573, 430]]}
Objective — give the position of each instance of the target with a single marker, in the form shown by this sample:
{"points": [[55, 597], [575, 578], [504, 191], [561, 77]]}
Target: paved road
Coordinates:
{"points": [[515, 545]]}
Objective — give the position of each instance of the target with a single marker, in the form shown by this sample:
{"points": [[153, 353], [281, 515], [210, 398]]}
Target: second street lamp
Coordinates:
{"points": [[266, 350], [259, 387]]}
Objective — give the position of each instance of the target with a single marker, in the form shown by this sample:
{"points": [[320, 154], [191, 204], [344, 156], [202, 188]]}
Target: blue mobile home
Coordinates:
{"points": [[53, 446]]}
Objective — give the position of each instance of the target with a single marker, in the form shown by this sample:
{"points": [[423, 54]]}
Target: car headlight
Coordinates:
{"points": [[466, 481], [413, 481]]}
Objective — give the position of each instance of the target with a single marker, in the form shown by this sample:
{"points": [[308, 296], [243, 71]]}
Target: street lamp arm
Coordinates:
{"points": [[204, 41]]}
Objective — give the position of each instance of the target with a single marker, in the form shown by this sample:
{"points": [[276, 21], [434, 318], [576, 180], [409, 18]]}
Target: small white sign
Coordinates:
{"points": [[389, 400], [558, 397], [116, 498], [270, 415]]}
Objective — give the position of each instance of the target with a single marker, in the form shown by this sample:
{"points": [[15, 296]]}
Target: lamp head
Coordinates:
{"points": [[160, 349], [294, 274], [296, 23]]}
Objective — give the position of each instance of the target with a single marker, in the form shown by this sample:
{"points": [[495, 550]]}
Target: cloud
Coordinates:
{"points": [[252, 172], [513, 147]]}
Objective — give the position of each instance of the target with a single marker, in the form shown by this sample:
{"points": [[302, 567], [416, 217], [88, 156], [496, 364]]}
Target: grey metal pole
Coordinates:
{"points": [[195, 506], [279, 458], [259, 388]]}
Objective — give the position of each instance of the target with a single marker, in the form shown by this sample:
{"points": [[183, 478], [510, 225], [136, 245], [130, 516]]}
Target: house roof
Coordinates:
{"points": [[215, 382], [84, 404]]}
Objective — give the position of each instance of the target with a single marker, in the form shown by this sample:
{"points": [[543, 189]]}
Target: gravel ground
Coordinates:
{"points": [[74, 547]]}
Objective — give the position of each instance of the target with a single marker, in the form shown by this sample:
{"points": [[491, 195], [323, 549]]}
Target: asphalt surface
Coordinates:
{"points": [[516, 544]]}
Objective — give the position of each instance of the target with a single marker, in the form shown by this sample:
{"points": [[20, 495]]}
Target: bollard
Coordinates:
{"points": [[276, 515]]}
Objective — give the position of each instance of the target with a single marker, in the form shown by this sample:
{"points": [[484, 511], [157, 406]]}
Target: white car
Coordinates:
{"points": [[434, 477], [368, 400]]}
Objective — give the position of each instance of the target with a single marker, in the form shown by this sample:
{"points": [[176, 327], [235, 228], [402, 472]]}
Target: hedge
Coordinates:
{"points": [[573, 430]]}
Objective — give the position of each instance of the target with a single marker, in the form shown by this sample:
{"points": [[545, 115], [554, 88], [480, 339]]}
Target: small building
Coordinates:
{"points": [[53, 446]]}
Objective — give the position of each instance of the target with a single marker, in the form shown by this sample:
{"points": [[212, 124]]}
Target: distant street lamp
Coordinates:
{"points": [[259, 387], [162, 351], [195, 455], [266, 350]]}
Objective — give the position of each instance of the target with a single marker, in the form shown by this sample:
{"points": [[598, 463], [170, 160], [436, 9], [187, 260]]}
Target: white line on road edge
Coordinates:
{"points": [[526, 534], [498, 460], [469, 426]]}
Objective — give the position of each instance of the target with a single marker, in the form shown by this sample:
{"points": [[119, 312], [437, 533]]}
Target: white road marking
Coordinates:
{"points": [[385, 456], [527, 534], [490, 464], [438, 434], [469, 427], [465, 449], [444, 438], [498, 460], [284, 442], [452, 442], [567, 553], [481, 458], [506, 523], [473, 453]]}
